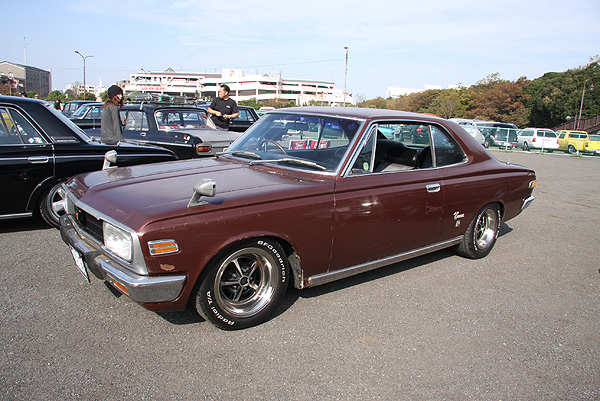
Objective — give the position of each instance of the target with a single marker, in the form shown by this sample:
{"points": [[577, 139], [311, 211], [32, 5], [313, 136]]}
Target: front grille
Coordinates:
{"points": [[90, 224]]}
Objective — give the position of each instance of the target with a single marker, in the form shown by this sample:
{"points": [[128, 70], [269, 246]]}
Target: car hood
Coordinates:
{"points": [[139, 195]]}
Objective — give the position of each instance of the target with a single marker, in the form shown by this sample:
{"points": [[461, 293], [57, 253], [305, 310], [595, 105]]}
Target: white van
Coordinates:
{"points": [[538, 138]]}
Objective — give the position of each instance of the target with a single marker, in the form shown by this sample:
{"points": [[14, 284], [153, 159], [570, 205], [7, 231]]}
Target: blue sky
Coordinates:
{"points": [[391, 43]]}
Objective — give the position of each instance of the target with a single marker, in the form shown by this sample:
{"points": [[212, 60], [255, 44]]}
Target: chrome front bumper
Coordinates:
{"points": [[143, 289], [527, 202]]}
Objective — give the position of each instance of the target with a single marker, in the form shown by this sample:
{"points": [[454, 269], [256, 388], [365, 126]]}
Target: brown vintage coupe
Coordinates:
{"points": [[306, 196]]}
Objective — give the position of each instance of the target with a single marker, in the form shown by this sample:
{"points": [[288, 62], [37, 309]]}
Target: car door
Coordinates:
{"points": [[26, 160], [382, 212], [243, 121]]}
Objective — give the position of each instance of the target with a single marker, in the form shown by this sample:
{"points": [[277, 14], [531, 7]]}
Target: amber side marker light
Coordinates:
{"points": [[120, 286], [532, 184], [163, 247]]}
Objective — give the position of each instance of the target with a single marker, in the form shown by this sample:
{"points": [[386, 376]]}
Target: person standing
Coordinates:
{"points": [[223, 108], [111, 131]]}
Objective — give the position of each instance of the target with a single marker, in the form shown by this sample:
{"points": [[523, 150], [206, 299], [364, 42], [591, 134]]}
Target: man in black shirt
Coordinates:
{"points": [[223, 108]]}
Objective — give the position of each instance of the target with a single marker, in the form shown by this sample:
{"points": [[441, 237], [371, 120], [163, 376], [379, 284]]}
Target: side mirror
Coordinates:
{"points": [[204, 187], [109, 157]]}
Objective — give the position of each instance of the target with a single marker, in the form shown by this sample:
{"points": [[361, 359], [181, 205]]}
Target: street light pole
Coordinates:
{"points": [[84, 87], [582, 97], [345, 75]]}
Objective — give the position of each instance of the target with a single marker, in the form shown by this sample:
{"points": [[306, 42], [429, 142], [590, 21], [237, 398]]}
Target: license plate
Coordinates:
{"points": [[80, 263]]}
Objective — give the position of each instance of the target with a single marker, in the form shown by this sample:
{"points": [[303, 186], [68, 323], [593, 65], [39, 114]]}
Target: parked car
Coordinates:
{"points": [[88, 115], [264, 110], [506, 138], [475, 133], [502, 135], [185, 130], [247, 117], [594, 144], [71, 106], [538, 138], [307, 196], [40, 148], [573, 141]]}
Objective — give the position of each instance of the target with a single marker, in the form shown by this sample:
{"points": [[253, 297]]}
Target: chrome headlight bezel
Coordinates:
{"points": [[117, 241]]}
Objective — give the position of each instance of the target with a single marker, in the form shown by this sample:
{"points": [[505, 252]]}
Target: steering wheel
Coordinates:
{"points": [[264, 144]]}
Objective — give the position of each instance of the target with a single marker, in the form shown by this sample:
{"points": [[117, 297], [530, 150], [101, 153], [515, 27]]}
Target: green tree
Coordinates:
{"points": [[498, 99], [556, 96], [448, 104], [56, 95]]}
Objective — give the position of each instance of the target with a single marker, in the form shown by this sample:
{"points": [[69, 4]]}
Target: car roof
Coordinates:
{"points": [[356, 112]]}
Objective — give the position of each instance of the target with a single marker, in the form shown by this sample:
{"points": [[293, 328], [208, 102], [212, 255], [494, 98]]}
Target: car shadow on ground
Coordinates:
{"points": [[190, 316], [23, 225]]}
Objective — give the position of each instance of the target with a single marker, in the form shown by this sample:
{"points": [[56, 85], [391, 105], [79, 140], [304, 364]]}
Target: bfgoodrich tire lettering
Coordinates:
{"points": [[244, 286], [481, 234]]}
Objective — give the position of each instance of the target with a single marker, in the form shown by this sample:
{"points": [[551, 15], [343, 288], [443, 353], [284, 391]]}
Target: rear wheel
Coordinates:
{"points": [[52, 205], [572, 149], [244, 287], [481, 234]]}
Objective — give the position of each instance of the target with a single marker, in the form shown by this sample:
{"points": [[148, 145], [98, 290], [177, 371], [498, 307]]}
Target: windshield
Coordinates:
{"points": [[302, 141], [80, 111]]}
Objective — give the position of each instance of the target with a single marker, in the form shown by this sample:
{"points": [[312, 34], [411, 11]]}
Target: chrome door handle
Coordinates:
{"points": [[38, 159], [432, 188], [143, 134]]}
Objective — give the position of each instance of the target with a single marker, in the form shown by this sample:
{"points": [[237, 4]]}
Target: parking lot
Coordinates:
{"points": [[520, 324]]}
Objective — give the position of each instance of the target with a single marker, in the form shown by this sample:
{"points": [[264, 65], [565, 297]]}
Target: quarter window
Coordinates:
{"points": [[406, 146]]}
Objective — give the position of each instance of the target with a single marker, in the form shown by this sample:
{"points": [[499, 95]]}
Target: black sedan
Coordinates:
{"points": [[73, 105], [184, 129], [241, 123], [88, 115], [40, 148]]}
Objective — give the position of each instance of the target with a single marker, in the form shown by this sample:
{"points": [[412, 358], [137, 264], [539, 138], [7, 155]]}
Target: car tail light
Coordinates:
{"points": [[201, 149], [533, 140]]}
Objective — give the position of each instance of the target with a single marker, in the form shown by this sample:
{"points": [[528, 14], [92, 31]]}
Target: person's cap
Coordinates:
{"points": [[114, 91]]}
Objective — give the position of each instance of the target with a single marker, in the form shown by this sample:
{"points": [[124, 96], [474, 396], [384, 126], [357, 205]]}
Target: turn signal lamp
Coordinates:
{"points": [[532, 184], [163, 247], [120, 286]]}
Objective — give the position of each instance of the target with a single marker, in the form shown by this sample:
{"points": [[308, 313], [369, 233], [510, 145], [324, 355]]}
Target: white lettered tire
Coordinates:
{"points": [[244, 286]]}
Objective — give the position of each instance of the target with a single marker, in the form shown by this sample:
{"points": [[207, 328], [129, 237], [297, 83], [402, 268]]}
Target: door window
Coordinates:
{"points": [[135, 120], [15, 129]]}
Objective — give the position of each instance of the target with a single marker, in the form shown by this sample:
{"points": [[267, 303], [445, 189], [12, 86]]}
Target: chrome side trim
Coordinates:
{"points": [[15, 216], [324, 278], [527, 202]]}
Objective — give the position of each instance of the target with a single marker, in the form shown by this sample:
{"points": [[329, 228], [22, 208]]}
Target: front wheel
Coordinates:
{"points": [[244, 287], [52, 205], [481, 234], [525, 146]]}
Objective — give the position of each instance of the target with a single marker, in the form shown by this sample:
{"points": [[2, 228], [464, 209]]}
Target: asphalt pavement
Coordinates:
{"points": [[520, 324]]}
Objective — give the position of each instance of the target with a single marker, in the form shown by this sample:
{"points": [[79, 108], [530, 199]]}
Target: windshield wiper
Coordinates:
{"points": [[298, 162], [242, 153]]}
